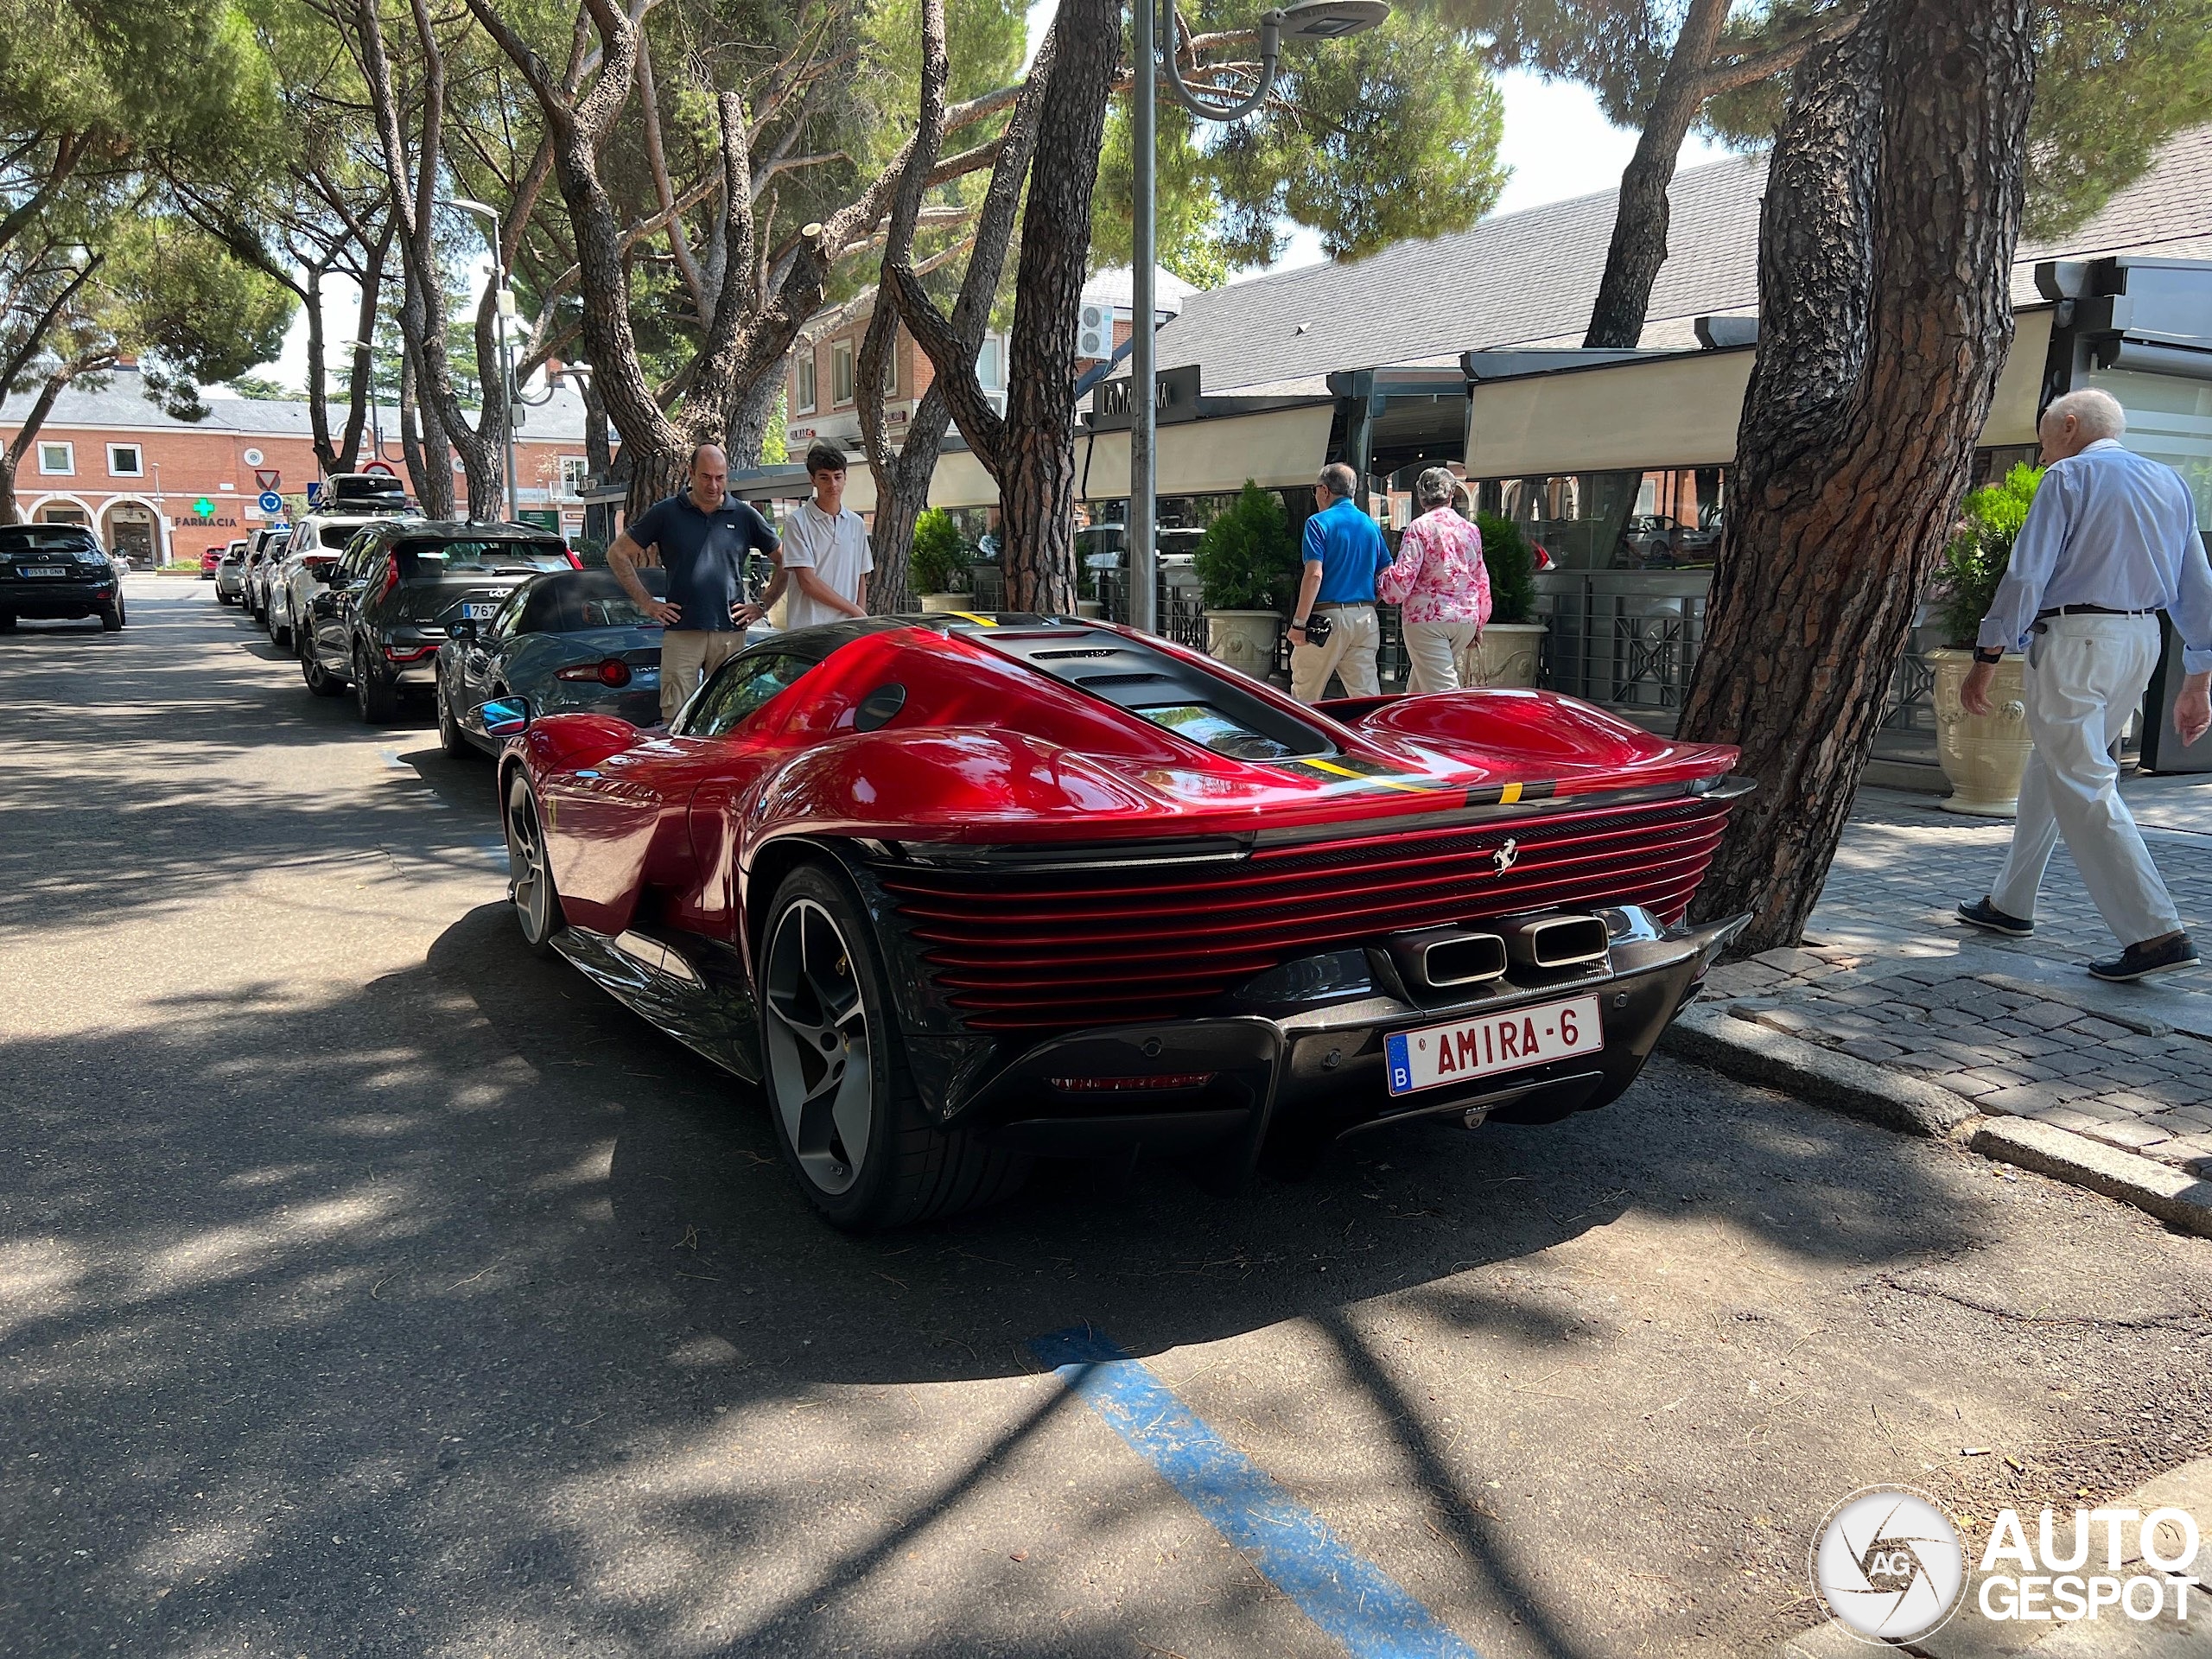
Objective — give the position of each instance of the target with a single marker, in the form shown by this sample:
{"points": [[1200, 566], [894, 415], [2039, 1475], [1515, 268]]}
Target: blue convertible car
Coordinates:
{"points": [[571, 641]]}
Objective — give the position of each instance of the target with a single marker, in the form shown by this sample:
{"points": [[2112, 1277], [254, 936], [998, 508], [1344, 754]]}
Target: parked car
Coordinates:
{"points": [[263, 549], [230, 574], [318, 542], [57, 571], [212, 560], [381, 613], [962, 891], [569, 640]]}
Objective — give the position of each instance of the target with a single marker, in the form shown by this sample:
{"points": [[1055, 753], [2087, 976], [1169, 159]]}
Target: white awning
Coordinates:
{"points": [[1677, 412], [1276, 449]]}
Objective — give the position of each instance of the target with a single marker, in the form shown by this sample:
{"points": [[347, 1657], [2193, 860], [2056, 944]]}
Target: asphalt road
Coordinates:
{"points": [[368, 1287]]}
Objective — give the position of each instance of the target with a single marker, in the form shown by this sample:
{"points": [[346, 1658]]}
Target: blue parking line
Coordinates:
{"points": [[1369, 1612]]}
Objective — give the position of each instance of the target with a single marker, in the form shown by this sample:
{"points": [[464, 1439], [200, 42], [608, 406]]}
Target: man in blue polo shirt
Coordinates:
{"points": [[1344, 554], [702, 537]]}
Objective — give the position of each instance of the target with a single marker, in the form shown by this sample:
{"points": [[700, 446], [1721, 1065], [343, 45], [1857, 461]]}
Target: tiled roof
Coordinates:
{"points": [[1529, 278], [121, 404]]}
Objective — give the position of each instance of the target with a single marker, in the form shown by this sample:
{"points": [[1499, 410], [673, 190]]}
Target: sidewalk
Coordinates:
{"points": [[2015, 1029]]}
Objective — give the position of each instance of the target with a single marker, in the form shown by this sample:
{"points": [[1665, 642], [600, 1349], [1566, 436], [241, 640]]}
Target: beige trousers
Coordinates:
{"points": [[1355, 631], [687, 658], [1435, 652]]}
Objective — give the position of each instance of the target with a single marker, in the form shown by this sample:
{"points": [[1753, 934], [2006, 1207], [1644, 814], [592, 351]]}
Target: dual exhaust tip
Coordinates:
{"points": [[1444, 958]]}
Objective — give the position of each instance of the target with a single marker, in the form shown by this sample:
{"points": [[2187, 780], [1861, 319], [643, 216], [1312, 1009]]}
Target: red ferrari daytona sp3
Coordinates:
{"points": [[962, 891]]}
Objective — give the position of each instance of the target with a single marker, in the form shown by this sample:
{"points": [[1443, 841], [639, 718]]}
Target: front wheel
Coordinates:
{"points": [[321, 680], [375, 696], [451, 738], [530, 869], [848, 1120], [280, 629]]}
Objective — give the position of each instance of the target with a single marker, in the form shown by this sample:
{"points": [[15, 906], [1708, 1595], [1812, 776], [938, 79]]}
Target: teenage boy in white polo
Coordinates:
{"points": [[825, 558]]}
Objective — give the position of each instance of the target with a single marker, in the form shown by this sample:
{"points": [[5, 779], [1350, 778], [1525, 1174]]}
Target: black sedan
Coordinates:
{"points": [[380, 613], [57, 571]]}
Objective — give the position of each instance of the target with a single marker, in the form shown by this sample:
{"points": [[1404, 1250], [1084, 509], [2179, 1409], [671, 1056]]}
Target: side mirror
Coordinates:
{"points": [[502, 717], [464, 631]]}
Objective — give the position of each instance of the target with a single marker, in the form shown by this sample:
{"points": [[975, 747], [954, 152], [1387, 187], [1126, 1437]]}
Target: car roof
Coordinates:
{"points": [[461, 530]]}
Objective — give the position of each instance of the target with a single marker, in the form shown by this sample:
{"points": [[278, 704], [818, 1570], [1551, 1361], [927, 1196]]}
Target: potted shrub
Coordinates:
{"points": [[937, 564], [1982, 755], [1248, 567], [1510, 651]]}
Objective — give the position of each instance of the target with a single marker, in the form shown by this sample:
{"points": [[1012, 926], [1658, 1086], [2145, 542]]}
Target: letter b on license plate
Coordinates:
{"points": [[1436, 1055]]}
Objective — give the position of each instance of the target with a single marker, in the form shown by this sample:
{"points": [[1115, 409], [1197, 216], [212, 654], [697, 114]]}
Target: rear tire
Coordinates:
{"points": [[530, 869], [111, 617], [375, 696], [7, 621], [280, 630], [848, 1120], [451, 738]]}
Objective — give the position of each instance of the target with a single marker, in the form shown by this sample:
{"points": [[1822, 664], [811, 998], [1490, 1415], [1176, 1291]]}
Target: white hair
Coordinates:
{"points": [[2097, 413]]}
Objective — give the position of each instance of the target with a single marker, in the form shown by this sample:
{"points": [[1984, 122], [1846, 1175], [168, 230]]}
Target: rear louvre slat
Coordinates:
{"points": [[1021, 952]]}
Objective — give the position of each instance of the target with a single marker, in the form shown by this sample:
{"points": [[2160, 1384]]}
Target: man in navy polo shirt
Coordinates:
{"points": [[1344, 553], [702, 537]]}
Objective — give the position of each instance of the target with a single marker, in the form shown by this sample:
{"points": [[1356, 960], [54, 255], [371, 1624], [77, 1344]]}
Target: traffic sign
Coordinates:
{"points": [[271, 502], [204, 507], [381, 469]]}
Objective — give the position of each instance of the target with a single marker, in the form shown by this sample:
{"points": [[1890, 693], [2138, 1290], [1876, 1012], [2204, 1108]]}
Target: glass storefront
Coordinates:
{"points": [[2168, 419], [1664, 520]]}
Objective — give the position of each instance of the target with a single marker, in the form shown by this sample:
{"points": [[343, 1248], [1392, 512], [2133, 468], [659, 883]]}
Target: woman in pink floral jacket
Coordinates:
{"points": [[1441, 584]]}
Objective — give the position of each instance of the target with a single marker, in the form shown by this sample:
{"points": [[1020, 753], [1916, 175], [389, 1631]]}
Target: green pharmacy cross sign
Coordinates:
{"points": [[204, 507]]}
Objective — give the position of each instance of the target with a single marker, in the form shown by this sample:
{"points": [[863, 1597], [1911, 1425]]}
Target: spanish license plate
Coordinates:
{"points": [[1436, 1055], [36, 570], [482, 612]]}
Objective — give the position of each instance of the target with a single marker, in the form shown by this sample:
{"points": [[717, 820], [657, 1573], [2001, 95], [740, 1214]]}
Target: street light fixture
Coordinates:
{"points": [[503, 307], [1308, 20]]}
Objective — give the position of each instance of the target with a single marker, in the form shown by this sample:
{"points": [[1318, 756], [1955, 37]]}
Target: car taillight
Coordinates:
{"points": [[390, 575], [613, 671], [575, 559], [408, 653]]}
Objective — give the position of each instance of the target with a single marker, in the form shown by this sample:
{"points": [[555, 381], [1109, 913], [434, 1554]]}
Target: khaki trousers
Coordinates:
{"points": [[1355, 631], [687, 658], [2085, 675], [1434, 653]]}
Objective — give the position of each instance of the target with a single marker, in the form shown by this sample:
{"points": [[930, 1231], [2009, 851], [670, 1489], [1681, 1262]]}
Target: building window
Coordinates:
{"points": [[841, 371], [57, 460], [803, 398], [990, 363], [124, 460], [575, 473]]}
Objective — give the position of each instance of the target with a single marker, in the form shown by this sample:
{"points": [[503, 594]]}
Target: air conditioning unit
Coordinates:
{"points": [[1094, 332]]}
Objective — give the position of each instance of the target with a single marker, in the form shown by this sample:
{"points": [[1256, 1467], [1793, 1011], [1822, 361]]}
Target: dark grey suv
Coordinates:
{"points": [[57, 570], [381, 612]]}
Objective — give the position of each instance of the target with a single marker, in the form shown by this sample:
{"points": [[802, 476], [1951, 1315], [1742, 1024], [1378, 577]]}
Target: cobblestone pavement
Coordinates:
{"points": [[1888, 976]]}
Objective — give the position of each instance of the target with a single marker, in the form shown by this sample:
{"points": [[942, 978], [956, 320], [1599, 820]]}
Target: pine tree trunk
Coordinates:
{"points": [[902, 494], [1036, 464], [1886, 244], [1640, 218], [10, 512]]}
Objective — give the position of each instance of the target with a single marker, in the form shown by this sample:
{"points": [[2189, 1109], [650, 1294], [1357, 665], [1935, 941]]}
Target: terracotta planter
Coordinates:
{"points": [[944, 604], [1508, 654], [1983, 755], [1245, 640], [1090, 608]]}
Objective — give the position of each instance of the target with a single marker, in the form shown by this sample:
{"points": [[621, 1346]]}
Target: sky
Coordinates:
{"points": [[1557, 142]]}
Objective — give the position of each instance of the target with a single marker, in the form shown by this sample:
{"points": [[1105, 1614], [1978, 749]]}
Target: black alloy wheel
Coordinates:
{"points": [[848, 1120], [451, 738], [321, 680], [530, 870], [377, 697]]}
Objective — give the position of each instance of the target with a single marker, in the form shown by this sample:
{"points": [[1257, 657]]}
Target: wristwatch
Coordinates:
{"points": [[1989, 656]]}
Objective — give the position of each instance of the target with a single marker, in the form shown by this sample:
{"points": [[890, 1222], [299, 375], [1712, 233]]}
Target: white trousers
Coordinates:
{"points": [[1355, 633], [2085, 677], [1435, 652]]}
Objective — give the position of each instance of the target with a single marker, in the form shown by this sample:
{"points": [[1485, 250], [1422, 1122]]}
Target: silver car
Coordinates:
{"points": [[318, 542]]}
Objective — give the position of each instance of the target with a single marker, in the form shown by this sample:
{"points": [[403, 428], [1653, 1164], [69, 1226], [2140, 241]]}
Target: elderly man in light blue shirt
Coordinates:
{"points": [[2110, 541]]}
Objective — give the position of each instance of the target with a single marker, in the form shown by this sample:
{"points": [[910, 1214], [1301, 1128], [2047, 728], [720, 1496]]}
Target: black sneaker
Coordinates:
{"points": [[2138, 961], [1990, 919]]}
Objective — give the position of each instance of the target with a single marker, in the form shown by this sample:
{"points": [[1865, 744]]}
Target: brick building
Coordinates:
{"points": [[154, 486]]}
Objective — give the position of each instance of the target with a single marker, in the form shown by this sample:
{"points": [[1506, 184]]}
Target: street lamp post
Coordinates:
{"points": [[499, 304], [1309, 20]]}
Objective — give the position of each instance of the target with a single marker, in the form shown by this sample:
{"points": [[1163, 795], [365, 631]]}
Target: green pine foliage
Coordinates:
{"points": [[938, 563], [1247, 560], [1978, 556], [1512, 566]]}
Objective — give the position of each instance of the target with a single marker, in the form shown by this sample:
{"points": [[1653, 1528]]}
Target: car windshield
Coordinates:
{"points": [[485, 558], [611, 611], [44, 538]]}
